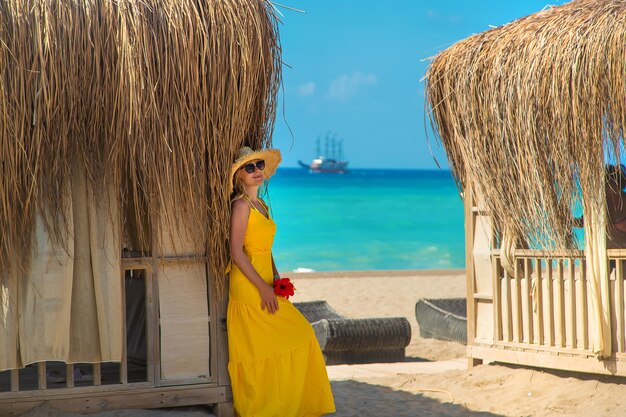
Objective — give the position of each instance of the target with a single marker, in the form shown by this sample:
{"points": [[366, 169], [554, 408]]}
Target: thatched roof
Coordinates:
{"points": [[527, 111], [154, 96]]}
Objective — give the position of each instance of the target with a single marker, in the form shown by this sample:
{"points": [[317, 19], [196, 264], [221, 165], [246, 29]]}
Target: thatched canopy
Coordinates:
{"points": [[529, 111], [152, 96]]}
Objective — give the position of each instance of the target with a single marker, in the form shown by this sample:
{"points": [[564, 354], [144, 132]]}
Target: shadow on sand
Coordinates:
{"points": [[354, 398]]}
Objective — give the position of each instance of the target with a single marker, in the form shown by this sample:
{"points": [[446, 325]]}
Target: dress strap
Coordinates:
{"points": [[267, 211], [248, 200]]}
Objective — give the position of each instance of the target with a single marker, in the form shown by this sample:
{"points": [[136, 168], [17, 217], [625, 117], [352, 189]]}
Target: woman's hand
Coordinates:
{"points": [[268, 299]]}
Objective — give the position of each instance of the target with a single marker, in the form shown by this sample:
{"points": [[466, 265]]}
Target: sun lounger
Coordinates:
{"points": [[346, 340], [444, 319]]}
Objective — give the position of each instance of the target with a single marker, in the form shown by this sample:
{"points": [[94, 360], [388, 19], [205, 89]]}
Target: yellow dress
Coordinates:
{"points": [[276, 365]]}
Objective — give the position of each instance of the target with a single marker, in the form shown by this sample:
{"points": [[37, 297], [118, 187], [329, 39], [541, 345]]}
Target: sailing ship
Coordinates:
{"points": [[331, 161]]}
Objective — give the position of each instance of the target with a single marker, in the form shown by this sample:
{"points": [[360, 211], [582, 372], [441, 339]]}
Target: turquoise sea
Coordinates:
{"points": [[366, 220]]}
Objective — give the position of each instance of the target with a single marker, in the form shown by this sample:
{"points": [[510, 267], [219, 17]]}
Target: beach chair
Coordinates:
{"points": [[444, 319], [346, 340]]}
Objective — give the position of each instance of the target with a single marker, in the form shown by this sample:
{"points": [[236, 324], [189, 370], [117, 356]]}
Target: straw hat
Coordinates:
{"points": [[271, 157]]}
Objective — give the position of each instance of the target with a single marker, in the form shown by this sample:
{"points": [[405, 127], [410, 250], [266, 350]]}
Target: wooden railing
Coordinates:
{"points": [[36, 376], [41, 376], [546, 303]]}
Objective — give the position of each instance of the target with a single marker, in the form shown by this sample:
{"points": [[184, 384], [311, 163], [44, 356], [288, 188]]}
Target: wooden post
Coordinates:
{"points": [[150, 317], [519, 334], [15, 380], [470, 220], [219, 308], [508, 307], [124, 362], [572, 304], [497, 304], [155, 331], [69, 375], [41, 374], [561, 302], [529, 300], [583, 296], [539, 284], [619, 305], [550, 295], [97, 374], [469, 263]]}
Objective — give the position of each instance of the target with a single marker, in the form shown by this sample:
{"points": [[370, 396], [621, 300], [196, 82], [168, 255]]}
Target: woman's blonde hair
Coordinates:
{"points": [[239, 189]]}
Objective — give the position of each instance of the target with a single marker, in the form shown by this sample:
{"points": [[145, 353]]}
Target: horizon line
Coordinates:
{"points": [[379, 168]]}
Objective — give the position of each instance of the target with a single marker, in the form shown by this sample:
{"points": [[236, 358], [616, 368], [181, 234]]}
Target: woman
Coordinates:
{"points": [[273, 350]]}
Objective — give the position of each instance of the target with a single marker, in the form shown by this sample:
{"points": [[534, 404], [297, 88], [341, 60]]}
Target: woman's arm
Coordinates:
{"points": [[238, 226], [276, 274]]}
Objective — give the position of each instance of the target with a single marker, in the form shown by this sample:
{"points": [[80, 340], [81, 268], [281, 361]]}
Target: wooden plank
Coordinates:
{"points": [[483, 297], [616, 253], [184, 313], [126, 398], [69, 375], [550, 295], [560, 298], [472, 362], [583, 306], [529, 301], [150, 317], [519, 332], [572, 304], [619, 305], [181, 260], [42, 382], [221, 340], [479, 212], [213, 327], [224, 410], [124, 361], [562, 253], [470, 219], [507, 305], [136, 263], [556, 350], [497, 304], [539, 286], [566, 363], [8, 397], [155, 341], [15, 380], [97, 374]]}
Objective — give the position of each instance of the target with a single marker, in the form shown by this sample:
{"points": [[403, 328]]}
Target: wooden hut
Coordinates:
{"points": [[529, 114], [119, 123]]}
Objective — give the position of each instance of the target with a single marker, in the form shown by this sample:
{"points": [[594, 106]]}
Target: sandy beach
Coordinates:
{"points": [[434, 379]]}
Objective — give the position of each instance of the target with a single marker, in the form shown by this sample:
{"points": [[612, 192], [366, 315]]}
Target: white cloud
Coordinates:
{"points": [[431, 14], [345, 87], [438, 17], [306, 89]]}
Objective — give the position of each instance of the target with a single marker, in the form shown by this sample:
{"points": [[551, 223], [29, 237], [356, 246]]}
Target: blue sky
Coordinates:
{"points": [[353, 68]]}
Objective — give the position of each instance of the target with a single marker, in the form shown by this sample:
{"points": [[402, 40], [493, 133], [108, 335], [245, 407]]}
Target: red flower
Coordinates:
{"points": [[283, 287]]}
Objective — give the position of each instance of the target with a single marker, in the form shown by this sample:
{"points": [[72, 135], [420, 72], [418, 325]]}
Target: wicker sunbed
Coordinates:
{"points": [[444, 319], [346, 340]]}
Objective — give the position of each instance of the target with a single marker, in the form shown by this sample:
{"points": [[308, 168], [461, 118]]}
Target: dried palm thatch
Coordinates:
{"points": [[527, 113], [153, 96]]}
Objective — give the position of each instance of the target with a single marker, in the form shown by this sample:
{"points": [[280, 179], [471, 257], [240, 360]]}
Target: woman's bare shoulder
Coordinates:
{"points": [[240, 206]]}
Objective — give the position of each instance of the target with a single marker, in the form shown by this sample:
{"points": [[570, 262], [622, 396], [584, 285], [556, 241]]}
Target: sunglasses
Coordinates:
{"points": [[250, 168]]}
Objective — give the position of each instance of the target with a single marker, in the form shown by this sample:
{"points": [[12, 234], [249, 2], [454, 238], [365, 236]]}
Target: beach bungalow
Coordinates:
{"points": [[119, 123], [529, 114]]}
